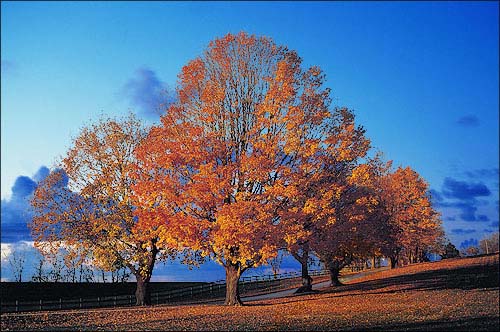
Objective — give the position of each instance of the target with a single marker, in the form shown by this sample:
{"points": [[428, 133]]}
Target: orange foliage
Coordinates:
{"points": [[249, 122], [415, 227], [88, 205]]}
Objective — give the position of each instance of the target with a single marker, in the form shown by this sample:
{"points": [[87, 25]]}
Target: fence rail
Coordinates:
{"points": [[263, 283]]}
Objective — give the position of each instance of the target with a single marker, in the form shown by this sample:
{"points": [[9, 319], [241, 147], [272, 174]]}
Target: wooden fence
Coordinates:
{"points": [[261, 284]]}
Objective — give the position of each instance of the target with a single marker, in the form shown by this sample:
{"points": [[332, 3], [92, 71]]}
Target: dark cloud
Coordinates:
{"points": [[468, 243], [462, 190], [16, 212], [147, 93], [467, 209], [41, 174], [23, 187], [482, 217], [494, 224], [462, 231], [468, 121], [463, 195]]}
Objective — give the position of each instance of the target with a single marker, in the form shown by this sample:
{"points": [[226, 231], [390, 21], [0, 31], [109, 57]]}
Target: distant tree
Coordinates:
{"points": [[415, 225], [450, 251], [471, 251], [40, 275], [489, 244], [16, 261], [56, 268]]}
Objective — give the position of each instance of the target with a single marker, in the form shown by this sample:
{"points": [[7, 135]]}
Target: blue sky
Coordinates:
{"points": [[423, 79]]}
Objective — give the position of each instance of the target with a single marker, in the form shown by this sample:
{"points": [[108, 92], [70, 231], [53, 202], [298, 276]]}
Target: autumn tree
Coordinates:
{"points": [[320, 184], [87, 205], [415, 225], [351, 231], [219, 167]]}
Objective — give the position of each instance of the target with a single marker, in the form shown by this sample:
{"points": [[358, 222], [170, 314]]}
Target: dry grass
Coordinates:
{"points": [[459, 294]]}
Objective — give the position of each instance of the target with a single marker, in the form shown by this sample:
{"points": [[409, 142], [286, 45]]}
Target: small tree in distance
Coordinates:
{"points": [[450, 251], [16, 260], [489, 244]]}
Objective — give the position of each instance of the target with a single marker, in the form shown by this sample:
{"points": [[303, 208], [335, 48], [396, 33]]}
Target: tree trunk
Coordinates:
{"points": [[373, 262], [233, 273], [334, 269], [143, 275], [306, 278], [142, 293], [394, 261]]}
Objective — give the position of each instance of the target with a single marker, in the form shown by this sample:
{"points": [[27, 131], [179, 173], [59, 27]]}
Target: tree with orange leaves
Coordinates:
{"points": [[350, 230], [413, 225], [87, 206], [322, 184], [249, 121]]}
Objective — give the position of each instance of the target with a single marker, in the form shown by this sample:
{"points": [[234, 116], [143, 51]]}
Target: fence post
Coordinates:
{"points": [[80, 303], [98, 301], [60, 303], [191, 291], [17, 306], [157, 301], [40, 305], [114, 301]]}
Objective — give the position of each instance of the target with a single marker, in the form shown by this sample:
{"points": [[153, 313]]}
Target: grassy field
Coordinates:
{"points": [[457, 294]]}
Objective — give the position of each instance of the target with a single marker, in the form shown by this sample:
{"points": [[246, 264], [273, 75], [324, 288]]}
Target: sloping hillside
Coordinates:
{"points": [[460, 294]]}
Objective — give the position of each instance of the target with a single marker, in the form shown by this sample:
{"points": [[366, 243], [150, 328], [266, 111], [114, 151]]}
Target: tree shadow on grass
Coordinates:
{"points": [[465, 278]]}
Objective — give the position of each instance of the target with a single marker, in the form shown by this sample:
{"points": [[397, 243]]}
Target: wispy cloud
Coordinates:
{"points": [[462, 231], [468, 121], [484, 173]]}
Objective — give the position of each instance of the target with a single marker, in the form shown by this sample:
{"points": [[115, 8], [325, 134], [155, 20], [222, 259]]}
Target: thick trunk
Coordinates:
{"points": [[143, 276], [334, 276], [394, 261], [142, 293], [233, 273], [334, 269], [306, 278]]}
